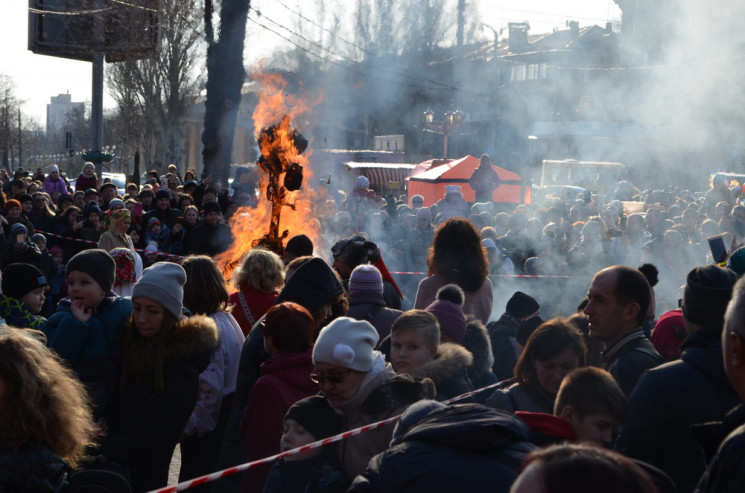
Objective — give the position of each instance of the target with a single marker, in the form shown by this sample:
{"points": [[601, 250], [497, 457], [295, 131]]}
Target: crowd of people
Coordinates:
{"points": [[619, 364]]}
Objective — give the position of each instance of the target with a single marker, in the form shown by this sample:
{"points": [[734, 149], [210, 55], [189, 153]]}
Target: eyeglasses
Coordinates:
{"points": [[333, 378]]}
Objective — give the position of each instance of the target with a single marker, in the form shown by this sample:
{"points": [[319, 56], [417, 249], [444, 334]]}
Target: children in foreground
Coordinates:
{"points": [[315, 470], [87, 325], [22, 297], [416, 350]]}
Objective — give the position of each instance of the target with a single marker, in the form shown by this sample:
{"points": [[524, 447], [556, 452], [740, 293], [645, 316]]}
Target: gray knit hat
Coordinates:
{"points": [[163, 282], [348, 343]]}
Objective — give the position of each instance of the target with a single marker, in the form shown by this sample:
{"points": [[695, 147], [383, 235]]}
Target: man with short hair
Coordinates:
{"points": [[108, 193], [163, 211], [671, 398], [617, 305], [726, 471]]}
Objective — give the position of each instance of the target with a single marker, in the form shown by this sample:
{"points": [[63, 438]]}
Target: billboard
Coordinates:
{"points": [[67, 28]]}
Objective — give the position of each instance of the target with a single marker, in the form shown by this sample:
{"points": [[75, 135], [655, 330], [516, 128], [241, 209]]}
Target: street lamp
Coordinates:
{"points": [[452, 119]]}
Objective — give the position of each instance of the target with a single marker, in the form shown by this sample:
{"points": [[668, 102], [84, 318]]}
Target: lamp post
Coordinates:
{"points": [[452, 119]]}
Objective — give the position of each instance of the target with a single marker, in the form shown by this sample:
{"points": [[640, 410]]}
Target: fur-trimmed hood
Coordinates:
{"points": [[450, 359], [479, 345], [192, 338]]}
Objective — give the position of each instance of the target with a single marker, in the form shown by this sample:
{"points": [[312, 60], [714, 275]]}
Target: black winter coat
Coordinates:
{"points": [[726, 473], [671, 398], [628, 362], [502, 334], [33, 468], [146, 424], [462, 447]]}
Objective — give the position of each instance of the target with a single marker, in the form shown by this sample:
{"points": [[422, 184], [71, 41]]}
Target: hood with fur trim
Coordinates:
{"points": [[449, 370], [194, 338], [478, 343]]}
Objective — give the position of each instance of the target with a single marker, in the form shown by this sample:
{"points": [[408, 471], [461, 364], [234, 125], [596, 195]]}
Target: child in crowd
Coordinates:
{"points": [[23, 287], [589, 406], [157, 232], [20, 249], [150, 256], [307, 421], [416, 350], [87, 325]]}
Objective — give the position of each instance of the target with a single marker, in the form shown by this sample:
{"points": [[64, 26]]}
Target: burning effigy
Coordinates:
{"points": [[283, 163]]}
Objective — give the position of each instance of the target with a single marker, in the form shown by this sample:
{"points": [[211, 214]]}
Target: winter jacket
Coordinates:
{"points": [[484, 181], [448, 370], [54, 186], [366, 305], [258, 304], [209, 240], [382, 395], [462, 447], [146, 424], [17, 314], [319, 474], [85, 182], [519, 397], [726, 472], [90, 348], [166, 217], [32, 468], [313, 285], [672, 397], [452, 205], [477, 303], [285, 379], [478, 344], [502, 335], [629, 358]]}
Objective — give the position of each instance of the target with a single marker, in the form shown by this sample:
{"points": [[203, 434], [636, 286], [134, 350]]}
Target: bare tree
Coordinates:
{"points": [[9, 108], [155, 94]]}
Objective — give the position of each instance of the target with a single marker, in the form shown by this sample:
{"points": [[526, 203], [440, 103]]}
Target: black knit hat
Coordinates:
{"points": [[315, 415], [96, 263], [211, 207], [312, 285], [21, 279], [707, 292], [526, 328], [521, 305], [299, 245]]}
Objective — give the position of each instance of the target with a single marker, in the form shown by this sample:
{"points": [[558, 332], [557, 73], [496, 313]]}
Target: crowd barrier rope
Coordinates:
{"points": [[318, 444], [89, 242]]}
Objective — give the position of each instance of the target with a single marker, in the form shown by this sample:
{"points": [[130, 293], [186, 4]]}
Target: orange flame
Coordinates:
{"points": [[251, 224]]}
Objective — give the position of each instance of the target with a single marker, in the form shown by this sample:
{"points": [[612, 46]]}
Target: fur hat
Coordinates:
{"points": [[316, 415], [348, 343], [21, 279], [10, 204], [448, 308], [312, 285], [366, 277], [96, 263], [522, 305], [163, 282], [355, 250], [299, 245], [707, 292], [17, 229]]}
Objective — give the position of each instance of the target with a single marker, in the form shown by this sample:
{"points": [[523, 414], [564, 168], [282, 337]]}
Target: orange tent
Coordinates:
{"points": [[431, 182]]}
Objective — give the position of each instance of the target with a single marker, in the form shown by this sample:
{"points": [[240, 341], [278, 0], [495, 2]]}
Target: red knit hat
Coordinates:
{"points": [[10, 204]]}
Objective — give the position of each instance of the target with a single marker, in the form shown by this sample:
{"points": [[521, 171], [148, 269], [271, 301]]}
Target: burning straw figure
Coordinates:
{"points": [[280, 145]]}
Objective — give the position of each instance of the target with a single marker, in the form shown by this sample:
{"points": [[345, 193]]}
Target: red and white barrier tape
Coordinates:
{"points": [[54, 235], [320, 443]]}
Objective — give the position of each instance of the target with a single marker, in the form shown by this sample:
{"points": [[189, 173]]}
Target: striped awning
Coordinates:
{"points": [[380, 174]]}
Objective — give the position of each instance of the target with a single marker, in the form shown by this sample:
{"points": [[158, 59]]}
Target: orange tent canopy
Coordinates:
{"points": [[431, 182]]}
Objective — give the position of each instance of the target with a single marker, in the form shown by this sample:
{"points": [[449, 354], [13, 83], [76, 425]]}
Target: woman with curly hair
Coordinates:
{"points": [[457, 257], [46, 423], [259, 279]]}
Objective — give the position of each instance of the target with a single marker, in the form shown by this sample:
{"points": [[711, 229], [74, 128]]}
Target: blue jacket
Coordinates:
{"points": [[90, 348]]}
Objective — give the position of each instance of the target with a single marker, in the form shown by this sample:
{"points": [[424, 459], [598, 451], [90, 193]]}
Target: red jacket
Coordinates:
{"points": [[258, 303], [284, 380]]}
